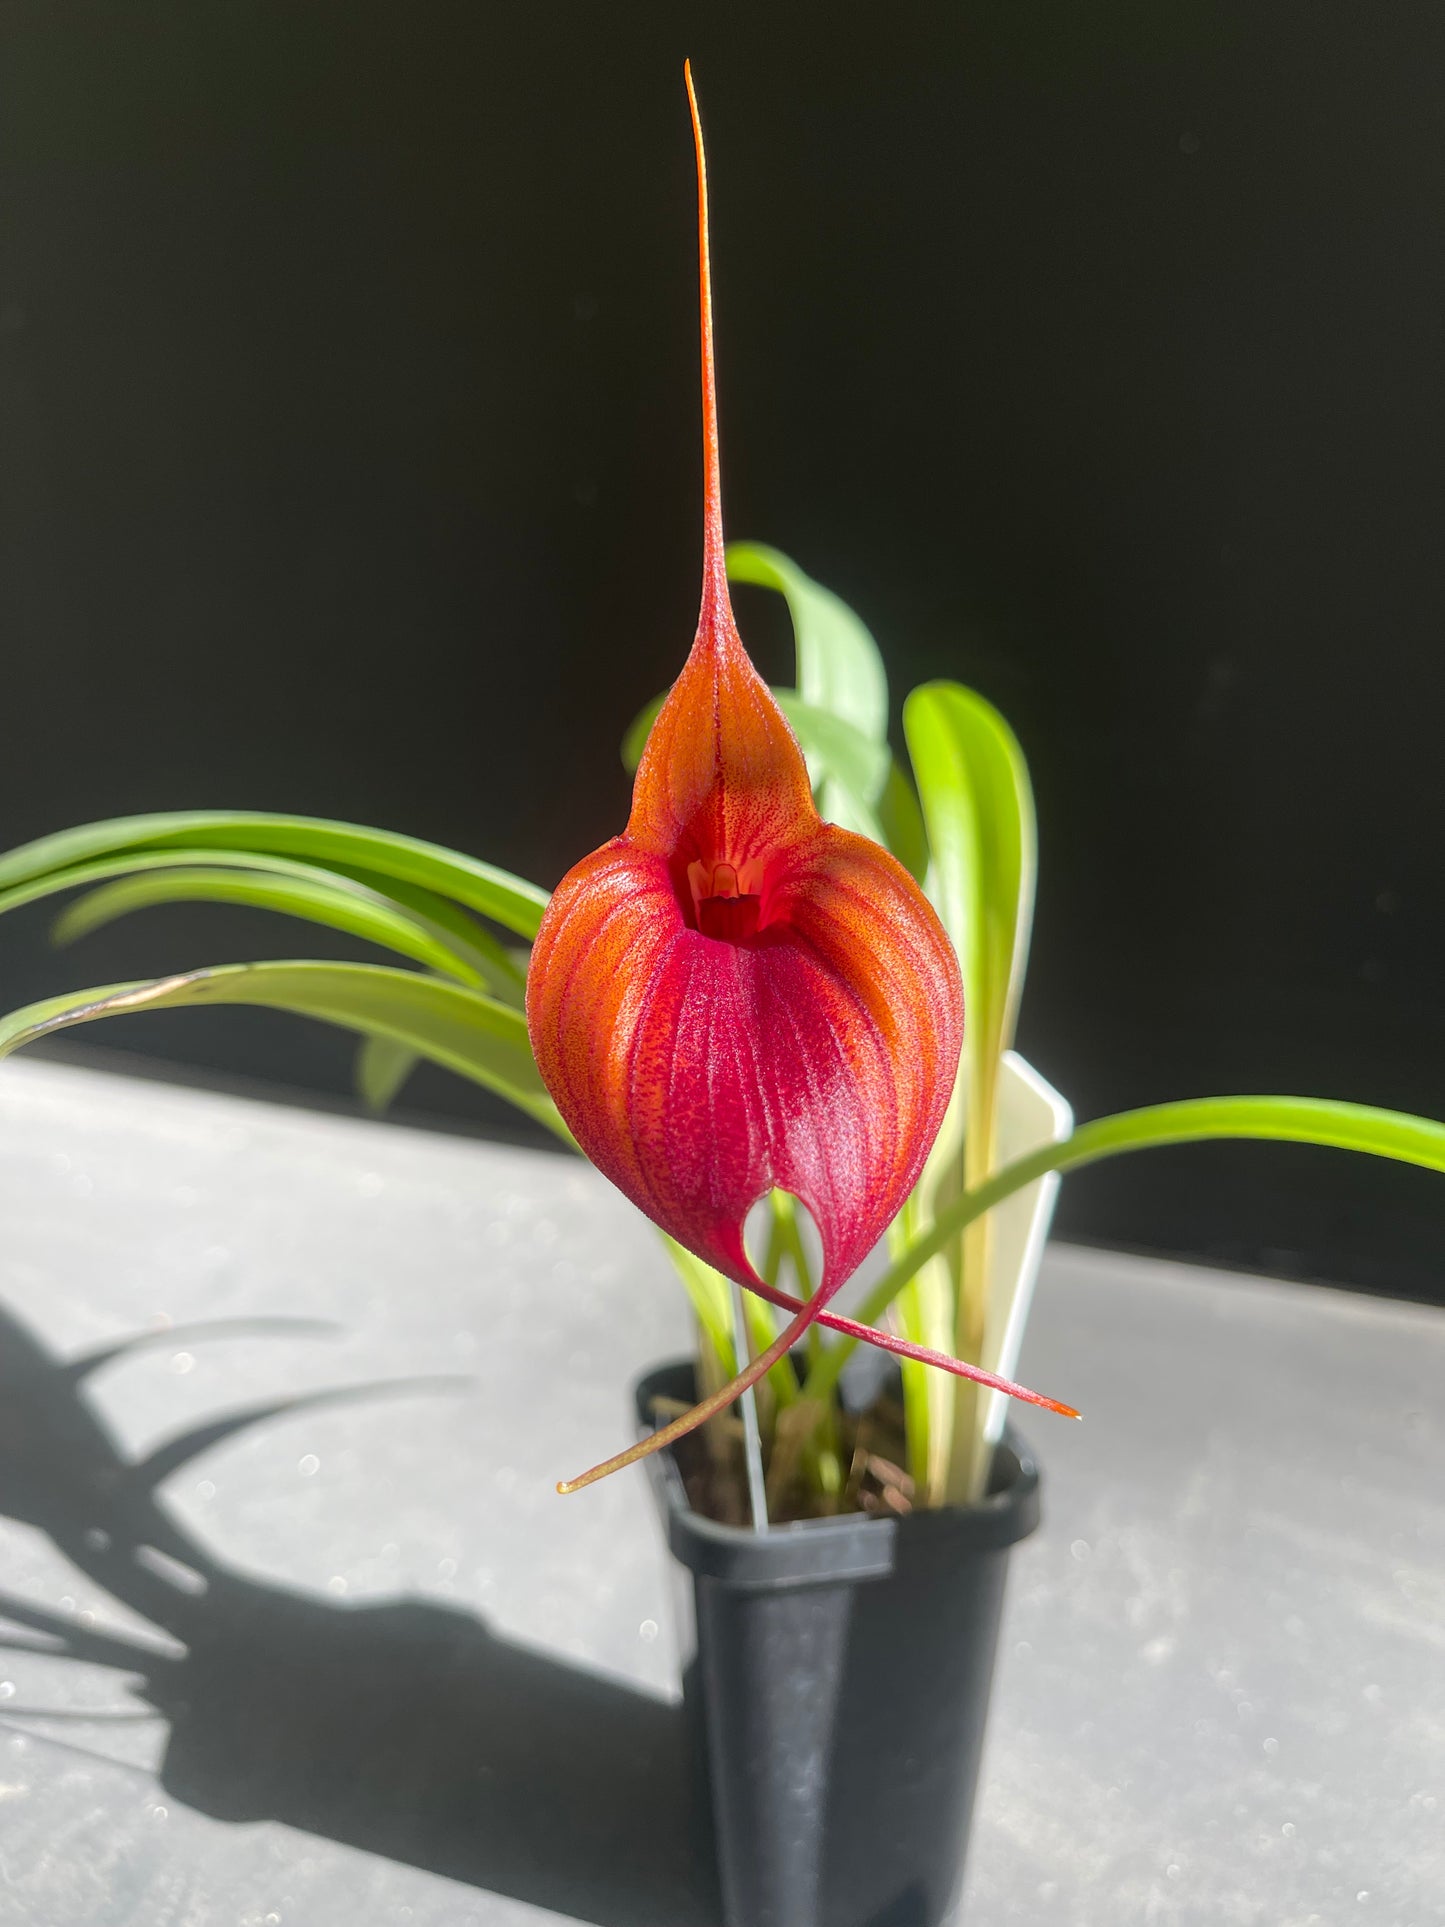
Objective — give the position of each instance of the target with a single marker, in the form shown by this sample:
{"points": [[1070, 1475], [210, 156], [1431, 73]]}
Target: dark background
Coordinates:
{"points": [[348, 464]]}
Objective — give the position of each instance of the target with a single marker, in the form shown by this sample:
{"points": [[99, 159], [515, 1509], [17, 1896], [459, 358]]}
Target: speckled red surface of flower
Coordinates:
{"points": [[734, 995]]}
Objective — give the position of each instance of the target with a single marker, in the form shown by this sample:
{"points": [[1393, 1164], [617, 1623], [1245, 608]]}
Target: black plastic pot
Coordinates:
{"points": [[839, 1673]]}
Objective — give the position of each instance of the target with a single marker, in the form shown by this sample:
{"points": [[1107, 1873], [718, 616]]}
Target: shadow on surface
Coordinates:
{"points": [[407, 1728]]}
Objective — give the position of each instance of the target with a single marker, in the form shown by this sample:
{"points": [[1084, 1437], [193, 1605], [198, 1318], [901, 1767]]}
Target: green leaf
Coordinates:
{"points": [[454, 1026], [1287, 1120], [839, 750], [973, 783], [638, 731], [711, 1299], [508, 900], [502, 967], [336, 903], [901, 822], [839, 667], [475, 954], [382, 1067]]}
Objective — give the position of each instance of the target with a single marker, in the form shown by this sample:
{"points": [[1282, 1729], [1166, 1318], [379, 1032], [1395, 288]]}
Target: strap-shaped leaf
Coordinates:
{"points": [[508, 900], [1286, 1120], [502, 966], [901, 822], [973, 784], [839, 667], [452, 1025], [842, 753], [334, 902], [709, 1293], [418, 923], [382, 1067]]}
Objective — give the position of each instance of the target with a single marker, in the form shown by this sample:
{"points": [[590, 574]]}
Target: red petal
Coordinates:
{"points": [[698, 1073]]}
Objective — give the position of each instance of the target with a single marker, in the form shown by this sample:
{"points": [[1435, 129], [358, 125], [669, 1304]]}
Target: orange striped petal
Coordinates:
{"points": [[814, 1050]]}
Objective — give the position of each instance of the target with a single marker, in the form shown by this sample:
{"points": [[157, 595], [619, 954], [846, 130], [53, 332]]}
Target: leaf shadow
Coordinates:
{"points": [[406, 1728]]}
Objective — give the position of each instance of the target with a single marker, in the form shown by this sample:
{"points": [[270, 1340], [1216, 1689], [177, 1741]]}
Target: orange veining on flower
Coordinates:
{"points": [[733, 995]]}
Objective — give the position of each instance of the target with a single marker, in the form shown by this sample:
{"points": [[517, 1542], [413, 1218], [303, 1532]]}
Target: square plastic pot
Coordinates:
{"points": [[838, 1673]]}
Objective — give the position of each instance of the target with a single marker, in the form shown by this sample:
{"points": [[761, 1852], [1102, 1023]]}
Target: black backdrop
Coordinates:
{"points": [[348, 464]]}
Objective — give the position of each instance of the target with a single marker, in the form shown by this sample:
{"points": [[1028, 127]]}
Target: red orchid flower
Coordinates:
{"points": [[735, 995]]}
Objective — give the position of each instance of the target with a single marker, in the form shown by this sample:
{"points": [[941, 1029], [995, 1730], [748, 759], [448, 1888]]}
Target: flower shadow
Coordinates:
{"points": [[406, 1728]]}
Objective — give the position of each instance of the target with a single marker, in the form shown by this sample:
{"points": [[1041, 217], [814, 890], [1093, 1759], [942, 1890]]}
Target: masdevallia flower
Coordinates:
{"points": [[734, 995]]}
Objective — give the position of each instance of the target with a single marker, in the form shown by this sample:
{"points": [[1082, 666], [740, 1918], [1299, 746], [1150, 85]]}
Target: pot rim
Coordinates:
{"points": [[850, 1547]]}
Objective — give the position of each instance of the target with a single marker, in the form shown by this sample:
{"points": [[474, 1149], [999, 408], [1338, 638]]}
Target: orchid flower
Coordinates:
{"points": [[733, 998], [733, 995]]}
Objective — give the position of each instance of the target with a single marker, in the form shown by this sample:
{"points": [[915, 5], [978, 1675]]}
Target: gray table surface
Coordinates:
{"points": [[373, 1670]]}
